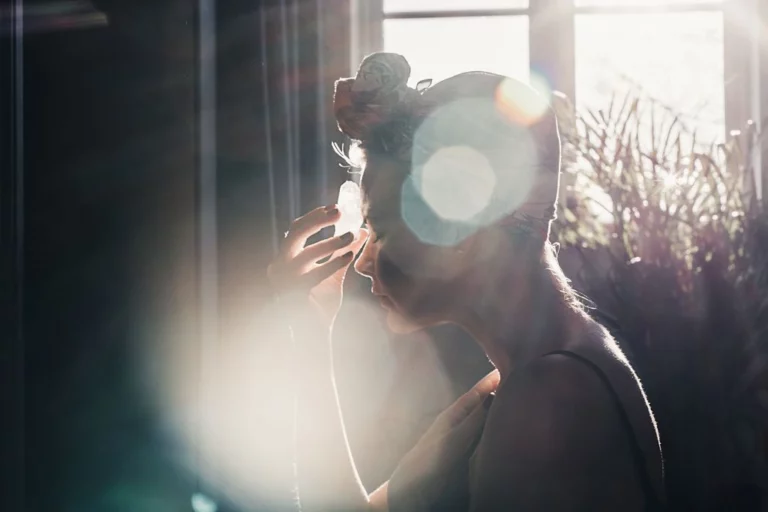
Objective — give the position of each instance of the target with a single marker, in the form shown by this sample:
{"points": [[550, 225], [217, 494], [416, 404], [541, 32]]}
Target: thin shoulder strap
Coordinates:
{"points": [[653, 501]]}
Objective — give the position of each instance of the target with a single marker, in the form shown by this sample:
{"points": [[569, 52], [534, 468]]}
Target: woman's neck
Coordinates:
{"points": [[517, 315]]}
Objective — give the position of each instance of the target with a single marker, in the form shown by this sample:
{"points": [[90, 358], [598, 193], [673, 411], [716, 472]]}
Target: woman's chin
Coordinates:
{"points": [[399, 324]]}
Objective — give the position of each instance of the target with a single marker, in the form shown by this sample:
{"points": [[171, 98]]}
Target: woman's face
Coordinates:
{"points": [[417, 283]]}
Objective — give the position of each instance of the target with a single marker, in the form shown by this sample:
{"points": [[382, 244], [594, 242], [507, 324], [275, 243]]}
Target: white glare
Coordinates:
{"points": [[519, 103], [356, 156], [670, 180], [349, 202], [471, 167], [202, 503], [457, 182], [540, 84]]}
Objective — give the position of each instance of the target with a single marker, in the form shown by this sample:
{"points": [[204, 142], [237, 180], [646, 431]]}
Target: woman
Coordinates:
{"points": [[459, 189]]}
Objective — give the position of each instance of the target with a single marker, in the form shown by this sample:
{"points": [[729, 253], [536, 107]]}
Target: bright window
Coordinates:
{"points": [[674, 58], [668, 50], [644, 3], [441, 47], [450, 5]]}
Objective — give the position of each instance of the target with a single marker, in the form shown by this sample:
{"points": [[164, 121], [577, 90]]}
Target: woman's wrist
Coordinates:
{"points": [[311, 343], [301, 314], [378, 499]]}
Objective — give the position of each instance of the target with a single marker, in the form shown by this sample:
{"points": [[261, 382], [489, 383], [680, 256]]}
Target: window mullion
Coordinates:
{"points": [[552, 43], [736, 76], [368, 29], [760, 94], [746, 77]]}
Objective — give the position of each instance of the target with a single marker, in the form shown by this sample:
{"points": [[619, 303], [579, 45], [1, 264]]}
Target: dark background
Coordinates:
{"points": [[109, 167], [110, 163], [100, 215]]}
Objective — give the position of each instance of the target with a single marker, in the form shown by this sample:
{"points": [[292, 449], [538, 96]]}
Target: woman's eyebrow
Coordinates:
{"points": [[375, 218], [371, 216]]}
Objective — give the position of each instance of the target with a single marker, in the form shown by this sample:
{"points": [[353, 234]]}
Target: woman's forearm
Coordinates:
{"points": [[327, 478]]}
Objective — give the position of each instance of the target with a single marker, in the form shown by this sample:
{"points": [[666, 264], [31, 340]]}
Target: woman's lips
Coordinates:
{"points": [[383, 299]]}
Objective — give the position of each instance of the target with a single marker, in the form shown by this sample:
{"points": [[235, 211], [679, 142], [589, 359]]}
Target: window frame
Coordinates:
{"points": [[745, 58]]}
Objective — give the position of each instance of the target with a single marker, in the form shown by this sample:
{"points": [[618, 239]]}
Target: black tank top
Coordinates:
{"points": [[458, 500], [653, 502]]}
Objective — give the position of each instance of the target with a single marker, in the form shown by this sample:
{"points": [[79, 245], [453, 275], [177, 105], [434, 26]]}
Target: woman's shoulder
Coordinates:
{"points": [[555, 384], [572, 372], [552, 427], [577, 403]]}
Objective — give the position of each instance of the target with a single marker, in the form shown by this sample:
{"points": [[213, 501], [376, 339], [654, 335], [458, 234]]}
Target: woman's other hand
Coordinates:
{"points": [[439, 461], [303, 284]]}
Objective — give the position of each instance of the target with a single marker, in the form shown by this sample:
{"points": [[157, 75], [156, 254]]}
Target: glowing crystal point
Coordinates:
{"points": [[202, 503], [350, 206]]}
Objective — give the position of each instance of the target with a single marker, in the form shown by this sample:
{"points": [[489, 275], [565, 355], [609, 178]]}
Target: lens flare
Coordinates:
{"points": [[471, 167], [457, 182], [523, 104], [202, 503]]}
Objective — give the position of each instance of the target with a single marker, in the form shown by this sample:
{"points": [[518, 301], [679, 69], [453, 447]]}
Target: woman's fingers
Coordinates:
{"points": [[320, 250], [360, 239], [302, 272], [326, 270], [304, 227], [462, 440], [487, 384], [316, 252], [468, 402]]}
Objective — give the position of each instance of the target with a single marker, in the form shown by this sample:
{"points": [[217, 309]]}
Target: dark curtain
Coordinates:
{"points": [[109, 196], [113, 360], [276, 67], [276, 63], [11, 267]]}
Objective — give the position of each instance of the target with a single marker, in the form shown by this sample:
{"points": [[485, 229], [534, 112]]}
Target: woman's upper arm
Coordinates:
{"points": [[548, 441]]}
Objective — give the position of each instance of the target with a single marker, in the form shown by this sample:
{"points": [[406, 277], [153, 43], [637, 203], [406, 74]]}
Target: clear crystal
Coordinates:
{"points": [[350, 206]]}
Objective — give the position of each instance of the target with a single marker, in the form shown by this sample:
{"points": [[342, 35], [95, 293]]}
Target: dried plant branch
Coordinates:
{"points": [[686, 244]]}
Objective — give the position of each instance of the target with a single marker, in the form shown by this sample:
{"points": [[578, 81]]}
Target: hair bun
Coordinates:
{"points": [[380, 86]]}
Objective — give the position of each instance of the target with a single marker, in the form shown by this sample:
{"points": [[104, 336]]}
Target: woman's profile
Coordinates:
{"points": [[459, 187]]}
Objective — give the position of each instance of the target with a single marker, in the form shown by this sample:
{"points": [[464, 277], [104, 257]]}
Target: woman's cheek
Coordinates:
{"points": [[389, 272]]}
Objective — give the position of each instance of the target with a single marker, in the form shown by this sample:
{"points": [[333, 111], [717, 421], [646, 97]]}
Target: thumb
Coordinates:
{"points": [[354, 248], [359, 241], [462, 440], [467, 403]]}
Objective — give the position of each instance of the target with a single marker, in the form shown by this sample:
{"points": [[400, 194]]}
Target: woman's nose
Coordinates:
{"points": [[364, 263]]}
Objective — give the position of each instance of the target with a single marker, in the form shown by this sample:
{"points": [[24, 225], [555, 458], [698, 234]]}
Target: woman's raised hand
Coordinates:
{"points": [[297, 277], [436, 468]]}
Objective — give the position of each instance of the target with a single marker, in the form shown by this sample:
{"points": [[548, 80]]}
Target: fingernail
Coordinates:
{"points": [[346, 237], [348, 255], [488, 401]]}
